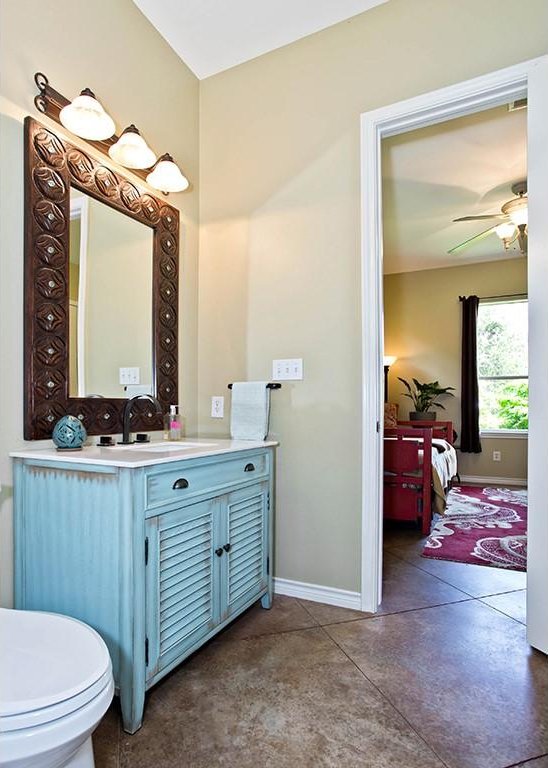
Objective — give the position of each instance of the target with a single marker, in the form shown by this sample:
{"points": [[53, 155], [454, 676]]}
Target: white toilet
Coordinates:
{"points": [[55, 686]]}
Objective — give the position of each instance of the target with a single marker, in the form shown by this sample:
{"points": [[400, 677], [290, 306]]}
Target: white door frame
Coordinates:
{"points": [[529, 79]]}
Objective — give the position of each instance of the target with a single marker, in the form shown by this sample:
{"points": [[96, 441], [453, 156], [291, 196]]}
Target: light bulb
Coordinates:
{"points": [[131, 150], [389, 360], [86, 117], [506, 231]]}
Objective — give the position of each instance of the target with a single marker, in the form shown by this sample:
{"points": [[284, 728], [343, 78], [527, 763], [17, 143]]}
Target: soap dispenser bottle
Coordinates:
{"points": [[174, 424]]}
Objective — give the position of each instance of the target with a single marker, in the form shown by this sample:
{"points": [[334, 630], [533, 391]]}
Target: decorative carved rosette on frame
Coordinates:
{"points": [[52, 165]]}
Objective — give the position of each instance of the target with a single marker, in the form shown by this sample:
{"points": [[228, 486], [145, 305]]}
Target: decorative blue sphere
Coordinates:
{"points": [[69, 433]]}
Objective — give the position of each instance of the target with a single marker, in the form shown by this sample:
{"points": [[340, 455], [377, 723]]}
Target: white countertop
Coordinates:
{"points": [[139, 456]]}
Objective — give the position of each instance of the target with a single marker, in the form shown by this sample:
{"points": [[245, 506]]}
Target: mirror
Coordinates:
{"points": [[101, 291], [110, 301]]}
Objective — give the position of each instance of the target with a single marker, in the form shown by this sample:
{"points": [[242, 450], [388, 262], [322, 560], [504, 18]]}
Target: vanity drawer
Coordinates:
{"points": [[183, 482]]}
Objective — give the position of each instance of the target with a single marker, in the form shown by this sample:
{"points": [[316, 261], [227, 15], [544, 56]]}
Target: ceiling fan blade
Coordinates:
{"points": [[468, 243], [481, 218]]}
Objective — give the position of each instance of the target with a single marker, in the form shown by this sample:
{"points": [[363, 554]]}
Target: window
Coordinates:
{"points": [[502, 365]]}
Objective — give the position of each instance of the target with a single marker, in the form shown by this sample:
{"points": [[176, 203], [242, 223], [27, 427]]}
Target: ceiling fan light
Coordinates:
{"points": [[85, 117], [506, 230], [517, 210], [167, 176], [520, 216], [131, 150]]}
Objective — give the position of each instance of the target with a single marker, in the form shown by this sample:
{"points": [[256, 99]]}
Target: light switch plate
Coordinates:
{"points": [[130, 375], [290, 369], [217, 407]]}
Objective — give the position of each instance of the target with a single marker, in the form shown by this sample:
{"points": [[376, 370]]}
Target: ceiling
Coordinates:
{"points": [[213, 35], [434, 175]]}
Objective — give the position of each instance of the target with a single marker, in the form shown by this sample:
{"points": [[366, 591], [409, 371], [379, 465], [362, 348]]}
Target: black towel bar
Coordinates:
{"points": [[270, 385]]}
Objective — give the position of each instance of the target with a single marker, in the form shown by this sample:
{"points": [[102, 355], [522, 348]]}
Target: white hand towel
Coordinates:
{"points": [[250, 410]]}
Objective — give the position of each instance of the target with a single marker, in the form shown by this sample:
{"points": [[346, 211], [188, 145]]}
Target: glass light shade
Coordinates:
{"points": [[517, 210], [131, 150], [389, 360], [167, 177], [85, 117], [506, 231]]}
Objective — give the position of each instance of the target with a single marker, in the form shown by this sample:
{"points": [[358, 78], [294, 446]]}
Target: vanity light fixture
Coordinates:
{"points": [[86, 117], [131, 150], [166, 176]]}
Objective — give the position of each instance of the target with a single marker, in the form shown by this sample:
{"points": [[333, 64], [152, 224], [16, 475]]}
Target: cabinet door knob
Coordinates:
{"points": [[249, 468], [219, 551], [182, 482], [227, 547]]}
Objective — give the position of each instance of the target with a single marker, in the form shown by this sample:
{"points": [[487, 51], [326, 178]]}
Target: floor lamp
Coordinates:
{"points": [[387, 360]]}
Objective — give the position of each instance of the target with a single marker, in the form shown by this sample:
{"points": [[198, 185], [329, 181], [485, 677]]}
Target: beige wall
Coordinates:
{"points": [[110, 47], [280, 237], [422, 323]]}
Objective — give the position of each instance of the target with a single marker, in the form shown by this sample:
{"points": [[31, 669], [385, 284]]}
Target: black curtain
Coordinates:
{"points": [[470, 433]]}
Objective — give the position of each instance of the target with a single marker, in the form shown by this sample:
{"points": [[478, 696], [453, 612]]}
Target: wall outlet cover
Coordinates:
{"points": [[217, 407], [497, 455]]}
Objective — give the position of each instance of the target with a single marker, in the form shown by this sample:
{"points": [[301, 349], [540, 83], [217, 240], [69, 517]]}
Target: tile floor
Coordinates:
{"points": [[441, 677]]}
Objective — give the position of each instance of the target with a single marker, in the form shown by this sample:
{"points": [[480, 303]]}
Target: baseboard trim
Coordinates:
{"points": [[494, 480], [342, 598]]}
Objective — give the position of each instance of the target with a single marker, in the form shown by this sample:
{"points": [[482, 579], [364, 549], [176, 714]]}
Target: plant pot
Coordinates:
{"points": [[422, 416]]}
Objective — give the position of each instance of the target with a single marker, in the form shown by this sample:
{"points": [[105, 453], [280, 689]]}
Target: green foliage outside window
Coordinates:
{"points": [[514, 406]]}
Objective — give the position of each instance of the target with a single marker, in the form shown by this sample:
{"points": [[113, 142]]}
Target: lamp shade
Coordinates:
{"points": [[506, 231], [86, 117], [167, 176], [131, 150]]}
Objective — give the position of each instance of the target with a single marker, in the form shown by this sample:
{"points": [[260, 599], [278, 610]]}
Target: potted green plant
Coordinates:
{"points": [[424, 396]]}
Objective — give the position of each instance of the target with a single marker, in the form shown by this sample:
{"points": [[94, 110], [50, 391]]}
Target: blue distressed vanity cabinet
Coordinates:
{"points": [[156, 554]]}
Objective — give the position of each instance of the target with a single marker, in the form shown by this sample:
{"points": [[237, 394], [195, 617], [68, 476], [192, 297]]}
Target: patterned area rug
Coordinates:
{"points": [[483, 526]]}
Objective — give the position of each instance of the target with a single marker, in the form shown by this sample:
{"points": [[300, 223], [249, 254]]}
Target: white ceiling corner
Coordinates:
{"points": [[213, 35]]}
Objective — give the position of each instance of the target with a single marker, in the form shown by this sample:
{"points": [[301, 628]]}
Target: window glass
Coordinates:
{"points": [[502, 365]]}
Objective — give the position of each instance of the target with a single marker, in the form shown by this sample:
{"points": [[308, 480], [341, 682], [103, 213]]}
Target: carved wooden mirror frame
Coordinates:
{"points": [[52, 166]]}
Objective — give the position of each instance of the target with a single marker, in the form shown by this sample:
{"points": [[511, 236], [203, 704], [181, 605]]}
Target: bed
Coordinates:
{"points": [[420, 463]]}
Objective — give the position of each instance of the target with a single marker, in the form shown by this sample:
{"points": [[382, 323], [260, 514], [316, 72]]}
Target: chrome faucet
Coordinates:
{"points": [[127, 416]]}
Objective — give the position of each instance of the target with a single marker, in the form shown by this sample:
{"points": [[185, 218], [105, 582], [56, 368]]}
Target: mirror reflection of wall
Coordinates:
{"points": [[110, 301]]}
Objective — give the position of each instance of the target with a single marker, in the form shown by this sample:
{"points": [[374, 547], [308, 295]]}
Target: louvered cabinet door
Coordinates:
{"points": [[183, 574], [245, 566]]}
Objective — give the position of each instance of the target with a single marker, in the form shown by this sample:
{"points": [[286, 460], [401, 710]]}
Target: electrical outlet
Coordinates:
{"points": [[217, 407], [130, 375], [287, 370], [497, 455]]}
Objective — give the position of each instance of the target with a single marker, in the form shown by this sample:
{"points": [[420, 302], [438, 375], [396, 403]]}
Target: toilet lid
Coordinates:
{"points": [[46, 659]]}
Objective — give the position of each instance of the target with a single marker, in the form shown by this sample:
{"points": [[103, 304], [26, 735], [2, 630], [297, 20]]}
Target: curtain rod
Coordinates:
{"points": [[501, 296]]}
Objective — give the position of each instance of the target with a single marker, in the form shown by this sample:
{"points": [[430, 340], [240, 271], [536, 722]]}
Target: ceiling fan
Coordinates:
{"points": [[513, 222]]}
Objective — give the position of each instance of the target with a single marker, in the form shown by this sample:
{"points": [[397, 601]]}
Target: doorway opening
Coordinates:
{"points": [[454, 488], [526, 80]]}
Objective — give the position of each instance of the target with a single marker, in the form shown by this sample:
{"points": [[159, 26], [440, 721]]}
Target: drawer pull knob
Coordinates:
{"points": [[227, 547], [219, 551], [249, 468], [179, 484]]}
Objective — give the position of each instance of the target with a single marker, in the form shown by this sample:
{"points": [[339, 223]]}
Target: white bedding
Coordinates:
{"points": [[445, 463]]}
